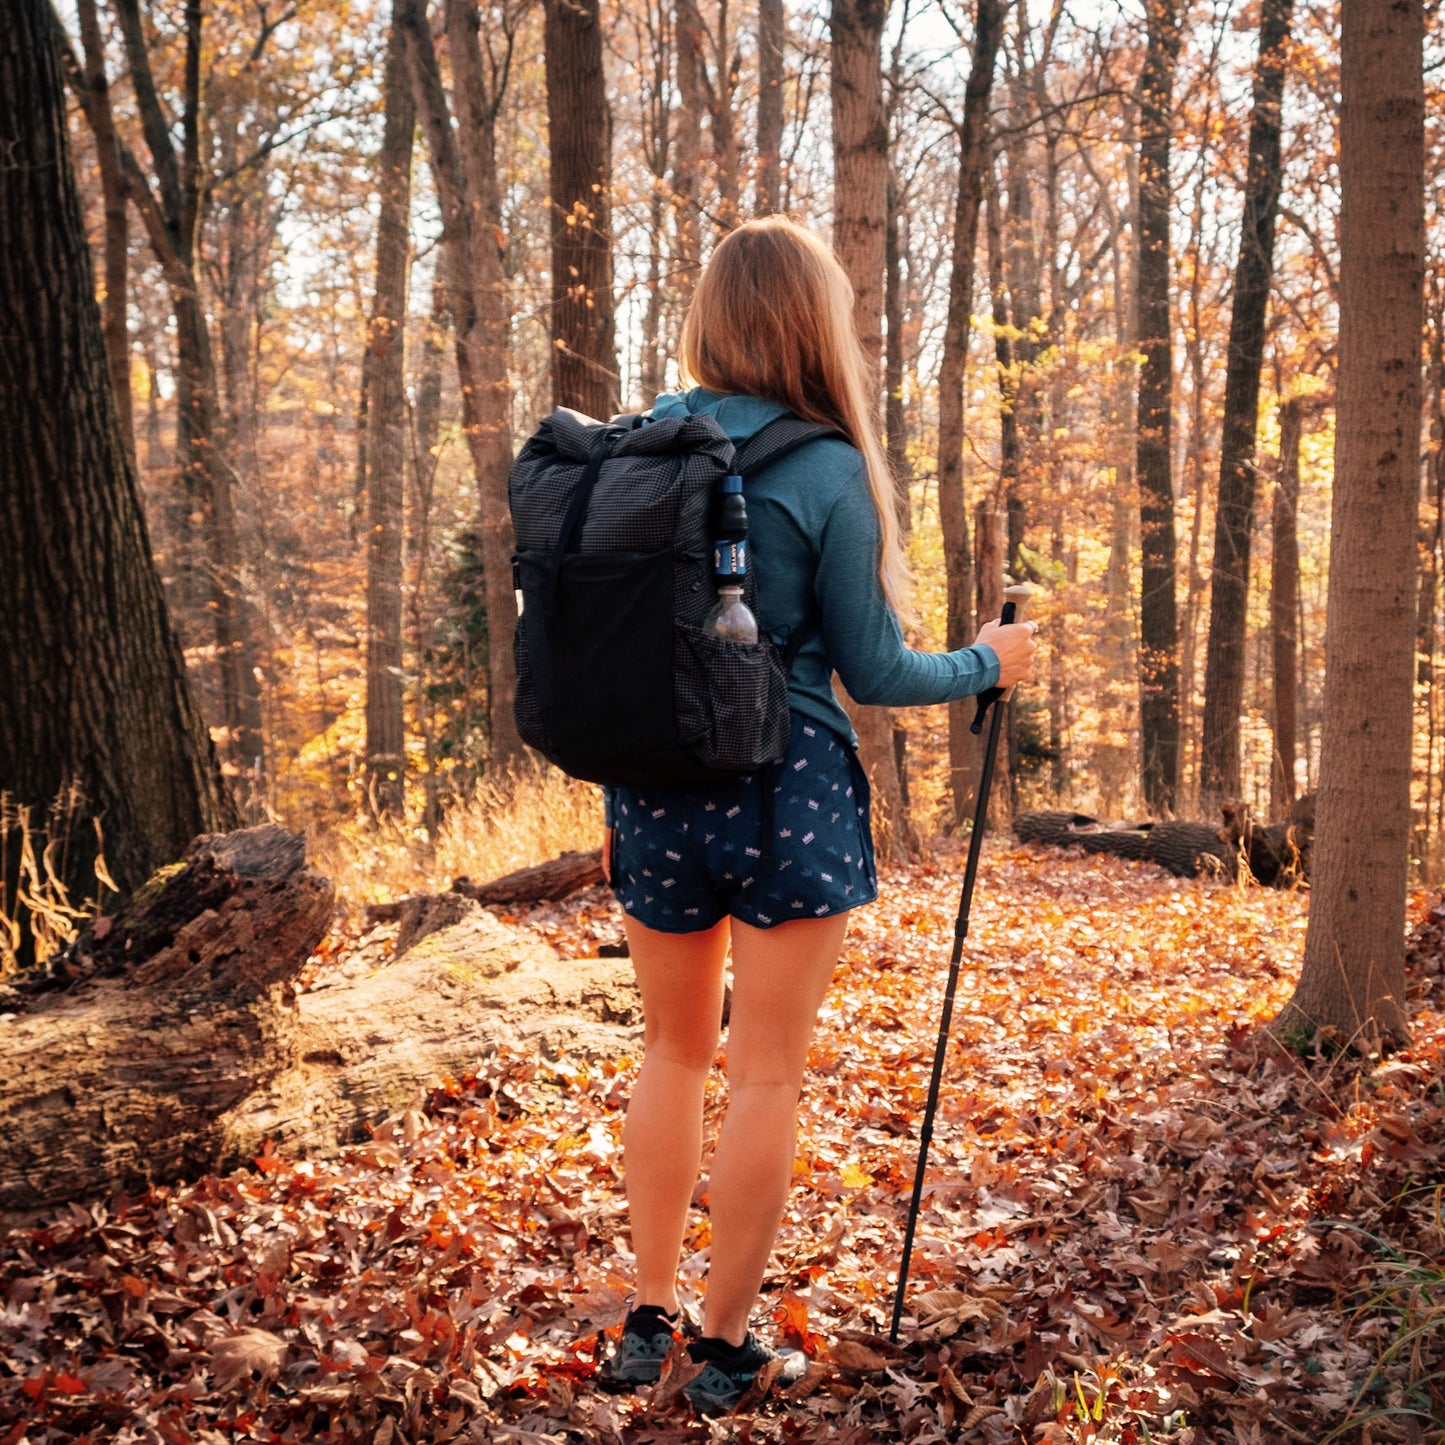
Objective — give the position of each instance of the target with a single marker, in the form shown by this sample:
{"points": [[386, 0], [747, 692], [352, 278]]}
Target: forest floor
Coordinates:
{"points": [[1142, 1222]]}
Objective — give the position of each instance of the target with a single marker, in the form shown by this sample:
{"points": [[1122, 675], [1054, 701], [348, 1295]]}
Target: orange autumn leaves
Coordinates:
{"points": [[1137, 1218]]}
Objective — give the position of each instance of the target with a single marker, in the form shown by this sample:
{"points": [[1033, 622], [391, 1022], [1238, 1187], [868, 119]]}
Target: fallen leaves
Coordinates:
{"points": [[1138, 1222], [248, 1354]]}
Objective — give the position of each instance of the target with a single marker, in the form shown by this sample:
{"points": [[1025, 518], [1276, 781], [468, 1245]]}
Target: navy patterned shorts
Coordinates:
{"points": [[683, 860]]}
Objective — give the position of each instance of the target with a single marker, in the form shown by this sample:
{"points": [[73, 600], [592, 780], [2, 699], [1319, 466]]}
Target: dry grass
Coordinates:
{"points": [[38, 917], [509, 823], [1403, 1306]]}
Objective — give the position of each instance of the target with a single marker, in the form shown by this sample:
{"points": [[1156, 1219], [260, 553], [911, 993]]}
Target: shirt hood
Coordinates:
{"points": [[738, 416]]}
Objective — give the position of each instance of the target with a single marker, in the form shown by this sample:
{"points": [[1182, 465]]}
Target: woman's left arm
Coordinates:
{"points": [[864, 640]]}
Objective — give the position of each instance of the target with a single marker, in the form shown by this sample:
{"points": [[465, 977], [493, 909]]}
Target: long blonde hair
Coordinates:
{"points": [[772, 317]]}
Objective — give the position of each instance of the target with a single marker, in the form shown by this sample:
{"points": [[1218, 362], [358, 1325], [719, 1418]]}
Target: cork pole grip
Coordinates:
{"points": [[1015, 609]]}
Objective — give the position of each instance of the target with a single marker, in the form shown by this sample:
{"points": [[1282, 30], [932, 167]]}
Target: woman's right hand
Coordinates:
{"points": [[1014, 645]]}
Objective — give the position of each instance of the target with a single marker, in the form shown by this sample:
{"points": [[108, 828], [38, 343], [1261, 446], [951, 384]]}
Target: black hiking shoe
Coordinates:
{"points": [[729, 1371], [646, 1339]]}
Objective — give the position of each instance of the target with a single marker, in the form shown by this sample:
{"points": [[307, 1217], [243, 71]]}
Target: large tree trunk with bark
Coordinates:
{"points": [[1219, 775], [579, 130], [973, 160], [183, 1046], [384, 453], [93, 688], [1353, 982], [1158, 624], [860, 203]]}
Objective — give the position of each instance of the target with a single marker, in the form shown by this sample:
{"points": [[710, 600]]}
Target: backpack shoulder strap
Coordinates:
{"points": [[774, 442], [781, 436]]}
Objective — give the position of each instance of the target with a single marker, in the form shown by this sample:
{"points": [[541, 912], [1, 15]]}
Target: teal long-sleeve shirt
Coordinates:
{"points": [[814, 538], [813, 541]]}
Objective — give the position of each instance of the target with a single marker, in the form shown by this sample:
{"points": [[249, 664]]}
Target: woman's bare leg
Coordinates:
{"points": [[780, 978], [680, 977]]}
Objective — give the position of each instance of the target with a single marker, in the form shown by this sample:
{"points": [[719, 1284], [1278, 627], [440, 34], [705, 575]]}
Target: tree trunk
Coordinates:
{"points": [[93, 687], [1353, 982], [1158, 627], [579, 129], [860, 160], [117, 229], [952, 506], [1432, 534], [1058, 683], [1021, 278], [895, 424], [464, 168], [172, 221], [214, 534], [1219, 763], [1007, 373], [691, 72], [655, 136], [772, 37], [860, 204], [1196, 346], [248, 226], [426, 425], [990, 530], [1284, 607], [185, 1046], [384, 383], [1116, 769], [720, 82]]}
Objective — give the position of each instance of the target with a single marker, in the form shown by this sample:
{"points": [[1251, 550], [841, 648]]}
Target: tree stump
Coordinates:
{"points": [[178, 1043]]}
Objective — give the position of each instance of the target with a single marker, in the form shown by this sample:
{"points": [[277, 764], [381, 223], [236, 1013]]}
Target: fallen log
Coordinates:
{"points": [[545, 883], [174, 1042], [1276, 855]]}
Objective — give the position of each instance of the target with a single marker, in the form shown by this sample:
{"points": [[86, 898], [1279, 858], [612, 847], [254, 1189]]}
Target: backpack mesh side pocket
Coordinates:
{"points": [[527, 706], [730, 700]]}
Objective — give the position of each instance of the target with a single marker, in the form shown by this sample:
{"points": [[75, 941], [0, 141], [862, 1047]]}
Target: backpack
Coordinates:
{"points": [[617, 682]]}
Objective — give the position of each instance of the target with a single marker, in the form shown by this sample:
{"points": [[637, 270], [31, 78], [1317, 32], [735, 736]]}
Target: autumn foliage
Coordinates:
{"points": [[1143, 1220]]}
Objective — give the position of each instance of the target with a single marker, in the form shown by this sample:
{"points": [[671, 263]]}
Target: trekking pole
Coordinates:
{"points": [[1015, 601]]}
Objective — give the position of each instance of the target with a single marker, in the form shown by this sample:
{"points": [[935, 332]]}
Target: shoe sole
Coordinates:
{"points": [[612, 1385]]}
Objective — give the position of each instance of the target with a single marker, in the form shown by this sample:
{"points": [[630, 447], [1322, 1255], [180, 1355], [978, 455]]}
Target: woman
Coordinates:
{"points": [[769, 332]]}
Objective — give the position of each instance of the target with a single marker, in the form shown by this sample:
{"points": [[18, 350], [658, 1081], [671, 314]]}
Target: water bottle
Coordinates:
{"points": [[731, 619]]}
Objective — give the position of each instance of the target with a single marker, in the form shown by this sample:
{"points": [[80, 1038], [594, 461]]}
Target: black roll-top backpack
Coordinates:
{"points": [[617, 682]]}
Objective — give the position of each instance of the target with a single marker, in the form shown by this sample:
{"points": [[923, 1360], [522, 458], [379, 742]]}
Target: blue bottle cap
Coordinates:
{"points": [[730, 484]]}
